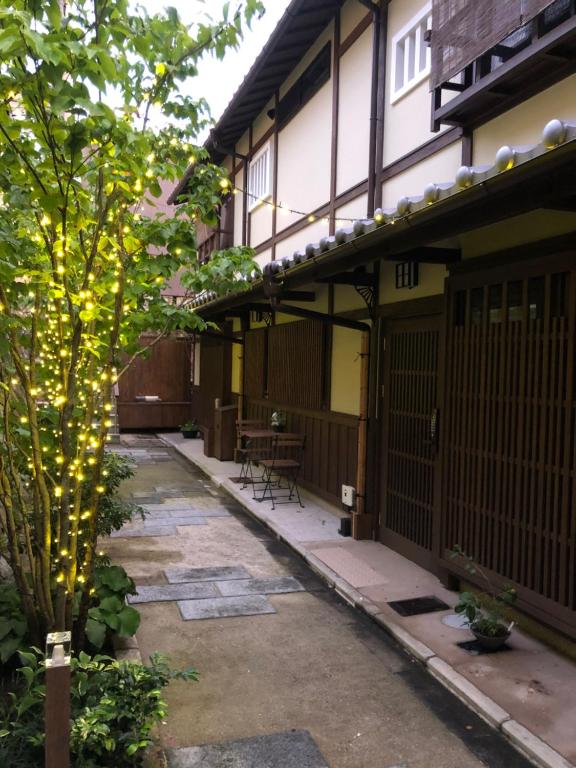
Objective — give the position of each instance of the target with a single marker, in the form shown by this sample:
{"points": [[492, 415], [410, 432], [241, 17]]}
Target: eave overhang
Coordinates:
{"points": [[519, 181], [302, 23]]}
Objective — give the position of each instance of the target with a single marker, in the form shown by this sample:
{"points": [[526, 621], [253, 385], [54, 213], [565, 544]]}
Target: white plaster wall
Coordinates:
{"points": [[347, 298], [238, 208], [351, 14], [345, 380], [299, 241], [355, 209], [260, 224], [196, 373], [354, 113], [431, 283], [262, 123], [308, 58], [304, 158], [320, 304], [523, 125], [264, 258], [407, 121], [438, 168], [517, 230], [236, 352], [243, 144]]}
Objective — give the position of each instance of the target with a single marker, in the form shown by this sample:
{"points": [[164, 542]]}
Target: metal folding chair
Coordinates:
{"points": [[285, 463], [244, 451]]}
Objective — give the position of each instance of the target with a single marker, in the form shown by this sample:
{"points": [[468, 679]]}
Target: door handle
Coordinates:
{"points": [[434, 427]]}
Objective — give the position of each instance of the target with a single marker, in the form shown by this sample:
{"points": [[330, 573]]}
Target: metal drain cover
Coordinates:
{"points": [[417, 605]]}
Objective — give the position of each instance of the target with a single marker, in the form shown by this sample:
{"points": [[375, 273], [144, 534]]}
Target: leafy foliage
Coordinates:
{"points": [[13, 630], [84, 258], [111, 585], [115, 705], [487, 612], [113, 510]]}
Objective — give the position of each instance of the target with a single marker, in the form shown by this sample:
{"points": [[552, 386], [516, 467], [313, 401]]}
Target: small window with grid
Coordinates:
{"points": [[260, 177], [411, 54]]}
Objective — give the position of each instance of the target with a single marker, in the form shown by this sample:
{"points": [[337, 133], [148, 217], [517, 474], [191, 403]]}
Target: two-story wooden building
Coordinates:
{"points": [[406, 172]]}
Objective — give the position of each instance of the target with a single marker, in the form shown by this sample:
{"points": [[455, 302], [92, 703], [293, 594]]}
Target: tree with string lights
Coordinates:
{"points": [[81, 266]]}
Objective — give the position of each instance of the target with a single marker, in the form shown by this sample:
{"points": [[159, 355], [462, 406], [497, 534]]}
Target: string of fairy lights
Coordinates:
{"points": [[46, 383], [285, 209]]}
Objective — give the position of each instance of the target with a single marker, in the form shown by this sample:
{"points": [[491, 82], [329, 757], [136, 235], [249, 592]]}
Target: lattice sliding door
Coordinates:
{"points": [[509, 495], [409, 461]]}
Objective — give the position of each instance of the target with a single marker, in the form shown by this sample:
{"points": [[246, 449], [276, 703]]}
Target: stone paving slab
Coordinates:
{"points": [[293, 749], [179, 505], [164, 592], [272, 586], [224, 607], [196, 520], [220, 573], [184, 512], [351, 568], [159, 530]]}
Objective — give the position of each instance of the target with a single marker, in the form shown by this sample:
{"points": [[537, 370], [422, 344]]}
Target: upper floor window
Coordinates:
{"points": [[411, 54], [260, 176]]}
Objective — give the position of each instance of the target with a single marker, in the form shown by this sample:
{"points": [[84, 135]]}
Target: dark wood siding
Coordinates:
{"points": [[296, 364], [255, 344], [215, 383], [330, 454], [410, 459], [164, 372], [510, 436]]}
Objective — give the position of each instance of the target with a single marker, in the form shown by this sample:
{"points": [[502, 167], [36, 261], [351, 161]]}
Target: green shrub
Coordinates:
{"points": [[114, 707], [113, 510], [13, 630], [110, 613]]}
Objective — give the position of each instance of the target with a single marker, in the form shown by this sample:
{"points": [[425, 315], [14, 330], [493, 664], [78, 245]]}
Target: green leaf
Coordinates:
{"points": [[95, 632], [129, 621], [54, 14], [5, 627], [8, 648]]}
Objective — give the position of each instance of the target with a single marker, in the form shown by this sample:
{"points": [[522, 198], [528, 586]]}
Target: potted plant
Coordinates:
{"points": [[189, 429], [278, 421], [486, 612]]}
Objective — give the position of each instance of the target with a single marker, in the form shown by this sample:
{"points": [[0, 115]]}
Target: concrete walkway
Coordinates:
{"points": [[528, 692]]}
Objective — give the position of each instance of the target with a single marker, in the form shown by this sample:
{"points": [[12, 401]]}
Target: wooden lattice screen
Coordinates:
{"points": [[255, 363], [411, 392], [509, 495], [296, 364], [462, 30]]}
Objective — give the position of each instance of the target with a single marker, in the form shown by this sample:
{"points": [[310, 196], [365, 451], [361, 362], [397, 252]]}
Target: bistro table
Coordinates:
{"points": [[247, 435], [253, 454]]}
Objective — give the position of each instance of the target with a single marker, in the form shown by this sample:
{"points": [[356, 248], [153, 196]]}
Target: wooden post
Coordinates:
{"points": [[244, 325], [362, 524], [57, 704]]}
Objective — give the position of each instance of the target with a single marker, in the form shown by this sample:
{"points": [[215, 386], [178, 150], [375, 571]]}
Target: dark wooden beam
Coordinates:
{"points": [[297, 295], [429, 255], [221, 336], [322, 317], [357, 279]]}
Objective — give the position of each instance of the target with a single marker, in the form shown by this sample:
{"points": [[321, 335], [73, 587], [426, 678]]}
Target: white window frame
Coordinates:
{"points": [[411, 36], [262, 191]]}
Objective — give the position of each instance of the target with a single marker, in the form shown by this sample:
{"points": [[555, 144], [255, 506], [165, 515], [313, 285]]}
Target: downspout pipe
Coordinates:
{"points": [[372, 175]]}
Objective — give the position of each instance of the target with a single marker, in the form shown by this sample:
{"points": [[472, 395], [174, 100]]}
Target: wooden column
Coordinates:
{"points": [[57, 703], [362, 523], [241, 398]]}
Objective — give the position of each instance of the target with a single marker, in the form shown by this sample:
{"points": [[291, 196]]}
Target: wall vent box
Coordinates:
{"points": [[348, 495]]}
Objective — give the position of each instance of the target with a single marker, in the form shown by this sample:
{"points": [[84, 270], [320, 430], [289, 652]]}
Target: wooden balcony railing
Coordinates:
{"points": [[494, 55]]}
